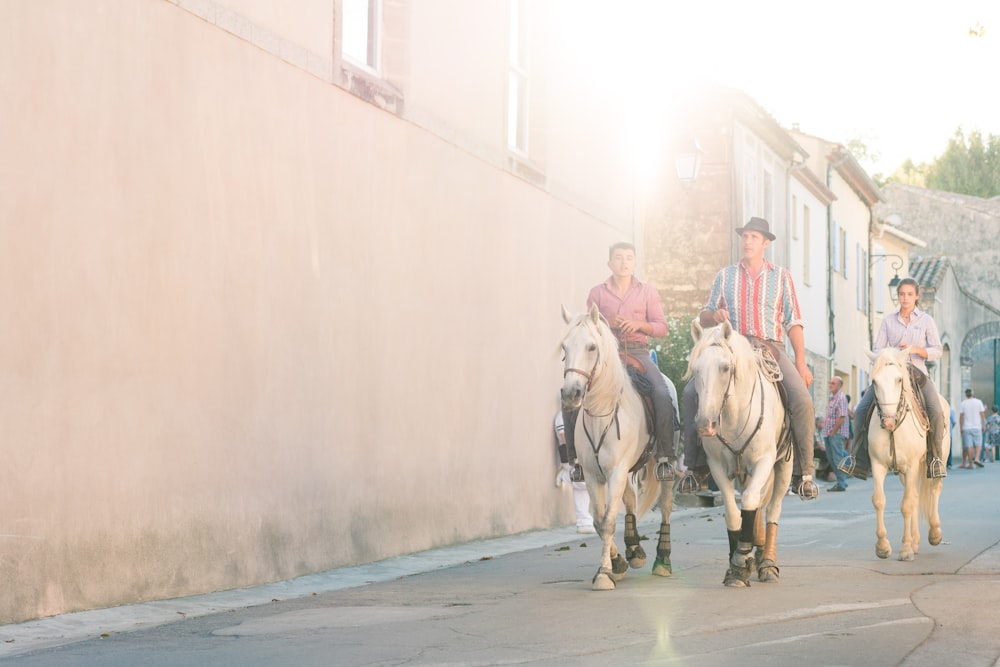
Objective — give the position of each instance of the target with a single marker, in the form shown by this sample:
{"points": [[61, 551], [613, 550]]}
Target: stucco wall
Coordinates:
{"points": [[255, 327]]}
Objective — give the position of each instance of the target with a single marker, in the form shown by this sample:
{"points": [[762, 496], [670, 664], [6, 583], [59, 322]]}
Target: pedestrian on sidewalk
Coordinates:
{"points": [[835, 431], [991, 449], [581, 499], [971, 416]]}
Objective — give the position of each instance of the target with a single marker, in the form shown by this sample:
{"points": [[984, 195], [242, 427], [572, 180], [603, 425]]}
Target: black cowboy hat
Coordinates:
{"points": [[757, 225]]}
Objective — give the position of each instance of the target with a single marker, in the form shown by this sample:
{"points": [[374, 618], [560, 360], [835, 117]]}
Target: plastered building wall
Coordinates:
{"points": [[257, 326]]}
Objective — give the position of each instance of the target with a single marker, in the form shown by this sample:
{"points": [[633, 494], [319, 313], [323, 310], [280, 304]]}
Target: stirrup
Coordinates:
{"points": [[807, 490], [935, 469], [690, 483], [576, 474], [847, 465], [664, 470]]}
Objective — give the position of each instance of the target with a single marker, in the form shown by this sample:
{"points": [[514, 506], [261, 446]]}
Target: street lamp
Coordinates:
{"points": [[897, 264], [688, 161]]}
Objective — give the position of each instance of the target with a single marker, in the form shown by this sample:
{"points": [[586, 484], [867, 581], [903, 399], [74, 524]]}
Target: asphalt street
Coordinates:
{"points": [[526, 599]]}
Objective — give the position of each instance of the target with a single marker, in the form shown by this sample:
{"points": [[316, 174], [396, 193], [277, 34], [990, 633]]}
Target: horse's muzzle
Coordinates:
{"points": [[708, 429], [889, 424], [572, 397]]}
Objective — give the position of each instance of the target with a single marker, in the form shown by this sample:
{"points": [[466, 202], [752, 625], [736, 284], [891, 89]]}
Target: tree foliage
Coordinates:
{"points": [[673, 349], [969, 165]]}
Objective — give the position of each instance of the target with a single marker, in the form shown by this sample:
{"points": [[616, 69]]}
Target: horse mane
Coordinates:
{"points": [[892, 356], [739, 347], [606, 341]]}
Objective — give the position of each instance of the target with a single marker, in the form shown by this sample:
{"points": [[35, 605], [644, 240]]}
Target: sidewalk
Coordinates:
{"points": [[67, 628]]}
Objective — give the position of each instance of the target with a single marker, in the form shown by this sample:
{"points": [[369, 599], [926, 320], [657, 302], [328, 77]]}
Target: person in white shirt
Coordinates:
{"points": [[971, 417]]}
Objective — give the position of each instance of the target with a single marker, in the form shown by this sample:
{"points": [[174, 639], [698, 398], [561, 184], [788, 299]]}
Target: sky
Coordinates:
{"points": [[899, 76]]}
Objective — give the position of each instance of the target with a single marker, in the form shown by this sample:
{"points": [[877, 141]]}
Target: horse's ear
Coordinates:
{"points": [[696, 330], [727, 329], [595, 313], [565, 313], [871, 355]]}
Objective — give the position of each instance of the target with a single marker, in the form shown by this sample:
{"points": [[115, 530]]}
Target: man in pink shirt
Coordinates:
{"points": [[634, 312]]}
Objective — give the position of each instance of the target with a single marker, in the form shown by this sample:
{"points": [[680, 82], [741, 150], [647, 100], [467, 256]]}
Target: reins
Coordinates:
{"points": [[903, 408], [760, 420]]}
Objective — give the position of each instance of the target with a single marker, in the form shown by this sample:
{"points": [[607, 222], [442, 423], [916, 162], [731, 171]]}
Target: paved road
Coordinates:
{"points": [[527, 600]]}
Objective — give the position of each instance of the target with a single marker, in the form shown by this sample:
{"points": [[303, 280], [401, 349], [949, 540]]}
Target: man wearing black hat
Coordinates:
{"points": [[758, 298]]}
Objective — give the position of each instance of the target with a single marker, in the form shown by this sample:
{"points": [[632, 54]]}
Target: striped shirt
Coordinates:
{"points": [[921, 331], [764, 306], [837, 407]]}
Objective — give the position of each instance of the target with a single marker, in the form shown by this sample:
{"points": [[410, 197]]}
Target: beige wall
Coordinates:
{"points": [[256, 327]]}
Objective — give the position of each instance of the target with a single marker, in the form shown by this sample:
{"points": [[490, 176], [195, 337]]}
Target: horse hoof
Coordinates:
{"points": [[602, 581], [662, 568], [907, 557], [767, 571], [883, 551], [636, 557], [934, 537], [737, 577]]}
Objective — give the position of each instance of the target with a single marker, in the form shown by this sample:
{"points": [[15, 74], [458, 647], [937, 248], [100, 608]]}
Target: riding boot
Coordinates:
{"points": [[664, 462], [935, 466], [860, 464], [569, 422]]}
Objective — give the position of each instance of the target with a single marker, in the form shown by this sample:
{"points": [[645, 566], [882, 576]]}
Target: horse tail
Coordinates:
{"points": [[928, 490], [649, 488]]}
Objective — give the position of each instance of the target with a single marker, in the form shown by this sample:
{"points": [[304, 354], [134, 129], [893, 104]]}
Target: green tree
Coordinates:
{"points": [[673, 349], [969, 165]]}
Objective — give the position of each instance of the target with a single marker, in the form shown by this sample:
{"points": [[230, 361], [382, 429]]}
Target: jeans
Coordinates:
{"points": [[662, 402], [834, 454]]}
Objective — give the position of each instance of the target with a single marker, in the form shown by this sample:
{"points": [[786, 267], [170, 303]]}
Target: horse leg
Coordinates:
{"points": [[633, 550], [662, 566], [634, 555], [608, 497], [882, 547], [930, 491], [908, 508], [758, 539], [767, 567], [741, 561]]}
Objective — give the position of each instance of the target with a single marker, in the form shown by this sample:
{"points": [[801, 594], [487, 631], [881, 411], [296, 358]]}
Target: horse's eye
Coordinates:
{"points": [[592, 347]]}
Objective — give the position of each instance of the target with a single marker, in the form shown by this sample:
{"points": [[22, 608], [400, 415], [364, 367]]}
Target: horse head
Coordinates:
{"points": [[891, 379], [712, 366], [588, 346]]}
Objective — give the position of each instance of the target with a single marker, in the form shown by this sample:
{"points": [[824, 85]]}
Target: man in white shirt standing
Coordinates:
{"points": [[972, 416]]}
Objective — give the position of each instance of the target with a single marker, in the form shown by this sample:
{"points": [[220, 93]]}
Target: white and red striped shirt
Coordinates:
{"points": [[764, 306]]}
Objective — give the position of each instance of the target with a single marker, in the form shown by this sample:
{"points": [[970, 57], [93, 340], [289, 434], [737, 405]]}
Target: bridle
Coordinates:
{"points": [[758, 385], [590, 375], [596, 446], [902, 405]]}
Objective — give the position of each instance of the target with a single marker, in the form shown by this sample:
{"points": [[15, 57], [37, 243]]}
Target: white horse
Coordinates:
{"points": [[741, 420], [897, 441], [611, 438]]}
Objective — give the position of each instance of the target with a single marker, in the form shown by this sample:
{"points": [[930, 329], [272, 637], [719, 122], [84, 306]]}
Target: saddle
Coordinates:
{"points": [[767, 361]]}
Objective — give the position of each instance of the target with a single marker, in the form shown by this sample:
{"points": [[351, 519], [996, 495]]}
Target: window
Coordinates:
{"points": [[795, 218], [862, 283], [807, 247], [361, 33], [518, 81], [843, 251], [878, 279], [768, 196], [835, 250]]}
